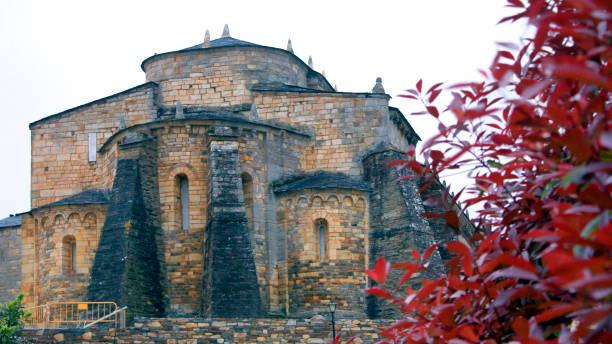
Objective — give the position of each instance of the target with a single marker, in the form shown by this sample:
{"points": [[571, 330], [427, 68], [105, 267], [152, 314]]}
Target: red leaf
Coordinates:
{"points": [[501, 139], [419, 84], [452, 219], [396, 162], [467, 332], [433, 88], [556, 311], [379, 292], [464, 253], [429, 251], [415, 166], [380, 272], [436, 155], [416, 255], [575, 71], [521, 327], [433, 111], [434, 95]]}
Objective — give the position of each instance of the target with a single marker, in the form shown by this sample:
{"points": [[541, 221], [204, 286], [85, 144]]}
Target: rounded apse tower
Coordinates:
{"points": [[221, 72]]}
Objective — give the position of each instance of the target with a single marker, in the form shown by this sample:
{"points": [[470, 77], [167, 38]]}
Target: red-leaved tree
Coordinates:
{"points": [[537, 136]]}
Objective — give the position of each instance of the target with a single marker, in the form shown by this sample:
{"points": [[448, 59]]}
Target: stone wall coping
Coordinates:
{"points": [[149, 84], [296, 89], [402, 123], [199, 121]]}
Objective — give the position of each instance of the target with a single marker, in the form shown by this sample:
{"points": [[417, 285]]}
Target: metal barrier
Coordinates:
{"points": [[72, 314]]}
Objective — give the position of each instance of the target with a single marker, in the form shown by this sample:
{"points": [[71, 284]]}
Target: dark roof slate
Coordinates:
{"points": [[224, 42], [320, 180], [85, 197], [11, 221], [285, 88]]}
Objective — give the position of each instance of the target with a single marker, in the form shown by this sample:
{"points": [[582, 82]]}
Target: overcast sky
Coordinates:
{"points": [[55, 55]]}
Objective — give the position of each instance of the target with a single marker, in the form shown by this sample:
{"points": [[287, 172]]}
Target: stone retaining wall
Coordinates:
{"points": [[196, 331]]}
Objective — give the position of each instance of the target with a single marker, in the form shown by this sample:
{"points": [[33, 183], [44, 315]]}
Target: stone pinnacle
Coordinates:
{"points": [[378, 88], [289, 46], [310, 61], [225, 31], [206, 43]]}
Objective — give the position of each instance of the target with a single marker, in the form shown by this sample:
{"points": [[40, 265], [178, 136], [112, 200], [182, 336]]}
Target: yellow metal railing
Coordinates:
{"points": [[71, 314]]}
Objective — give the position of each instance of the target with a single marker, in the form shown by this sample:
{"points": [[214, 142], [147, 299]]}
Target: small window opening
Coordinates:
{"points": [[247, 190], [321, 233], [184, 201], [69, 254], [91, 147], [73, 256]]}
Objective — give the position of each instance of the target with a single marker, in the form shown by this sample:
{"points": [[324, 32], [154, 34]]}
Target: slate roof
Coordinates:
{"points": [[224, 42], [320, 180], [11, 221], [85, 197]]}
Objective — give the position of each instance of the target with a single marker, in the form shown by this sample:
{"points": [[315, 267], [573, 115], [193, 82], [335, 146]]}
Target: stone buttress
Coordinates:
{"points": [[230, 279], [127, 267], [396, 223]]}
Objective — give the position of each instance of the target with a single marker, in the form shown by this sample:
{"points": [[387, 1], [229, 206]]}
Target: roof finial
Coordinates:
{"points": [[179, 110], [336, 87], [310, 61], [289, 46], [225, 31], [378, 88], [206, 43], [323, 72]]}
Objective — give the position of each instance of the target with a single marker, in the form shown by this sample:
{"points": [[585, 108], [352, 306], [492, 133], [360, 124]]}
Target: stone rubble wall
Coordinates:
{"points": [[60, 165], [344, 125], [10, 263], [221, 76], [312, 281], [201, 331], [397, 227], [44, 274]]}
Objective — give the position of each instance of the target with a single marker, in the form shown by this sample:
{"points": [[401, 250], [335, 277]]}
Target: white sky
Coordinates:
{"points": [[55, 55]]}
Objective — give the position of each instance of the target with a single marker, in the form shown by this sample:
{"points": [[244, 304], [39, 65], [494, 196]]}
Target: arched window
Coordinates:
{"points": [[183, 192], [247, 190], [321, 234], [69, 256]]}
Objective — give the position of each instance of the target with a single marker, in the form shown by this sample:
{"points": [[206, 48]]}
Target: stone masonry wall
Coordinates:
{"points": [[204, 331], [128, 267], [220, 76], [310, 281], [10, 263], [47, 274], [230, 278], [60, 165], [344, 125], [182, 152], [397, 227]]}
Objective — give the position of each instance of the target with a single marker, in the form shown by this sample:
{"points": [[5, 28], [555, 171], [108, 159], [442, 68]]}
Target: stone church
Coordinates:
{"points": [[235, 182]]}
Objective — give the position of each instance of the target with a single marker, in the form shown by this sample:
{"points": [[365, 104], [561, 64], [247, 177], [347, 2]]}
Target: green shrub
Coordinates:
{"points": [[12, 316]]}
